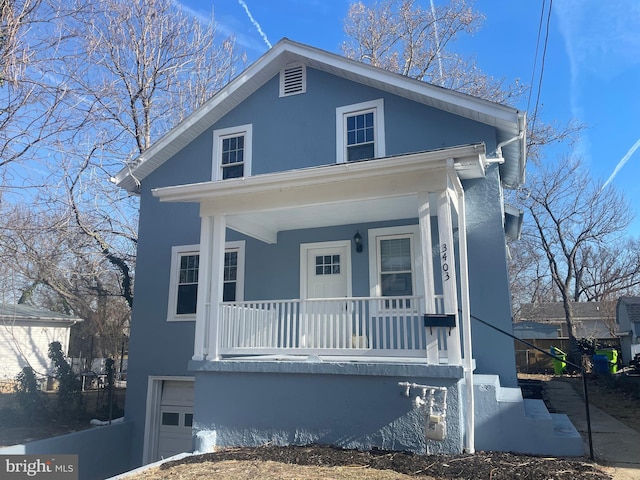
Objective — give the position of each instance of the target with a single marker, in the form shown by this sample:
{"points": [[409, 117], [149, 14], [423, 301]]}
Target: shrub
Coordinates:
{"points": [[70, 405], [31, 400]]}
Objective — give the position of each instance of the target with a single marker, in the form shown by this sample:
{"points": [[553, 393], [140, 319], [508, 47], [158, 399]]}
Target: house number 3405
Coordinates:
{"points": [[444, 253]]}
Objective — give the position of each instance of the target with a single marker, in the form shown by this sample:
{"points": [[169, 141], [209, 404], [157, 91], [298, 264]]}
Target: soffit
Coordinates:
{"points": [[341, 194]]}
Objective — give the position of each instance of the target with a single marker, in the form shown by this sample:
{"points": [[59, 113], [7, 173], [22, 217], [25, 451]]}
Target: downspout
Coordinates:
{"points": [[469, 439], [505, 143], [521, 120]]}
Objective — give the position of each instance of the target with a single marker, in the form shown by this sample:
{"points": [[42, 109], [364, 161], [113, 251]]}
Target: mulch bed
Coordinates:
{"points": [[480, 466]]}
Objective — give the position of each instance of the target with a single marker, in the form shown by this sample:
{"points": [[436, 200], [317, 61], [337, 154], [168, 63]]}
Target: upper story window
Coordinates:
{"points": [[185, 267], [360, 131], [232, 149]]}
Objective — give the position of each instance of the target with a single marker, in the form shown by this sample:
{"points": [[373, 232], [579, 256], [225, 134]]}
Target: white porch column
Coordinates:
{"points": [[448, 270], [424, 216], [210, 284], [465, 314]]}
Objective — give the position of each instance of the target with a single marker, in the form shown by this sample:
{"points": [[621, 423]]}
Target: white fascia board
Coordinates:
{"points": [[198, 192], [8, 320], [498, 111]]}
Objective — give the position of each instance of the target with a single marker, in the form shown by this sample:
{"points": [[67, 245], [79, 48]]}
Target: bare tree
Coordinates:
{"points": [[120, 74], [61, 270], [29, 102], [572, 216], [402, 37], [605, 272]]}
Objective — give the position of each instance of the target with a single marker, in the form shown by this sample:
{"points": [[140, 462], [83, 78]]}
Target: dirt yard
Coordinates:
{"points": [[327, 463]]}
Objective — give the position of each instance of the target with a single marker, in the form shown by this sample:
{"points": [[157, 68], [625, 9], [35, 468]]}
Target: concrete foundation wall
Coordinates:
{"points": [[102, 452], [244, 403]]}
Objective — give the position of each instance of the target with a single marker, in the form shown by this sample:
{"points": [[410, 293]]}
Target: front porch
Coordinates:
{"points": [[424, 189], [358, 327]]}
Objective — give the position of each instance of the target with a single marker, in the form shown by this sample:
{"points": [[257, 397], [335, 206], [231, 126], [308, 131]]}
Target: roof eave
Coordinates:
{"points": [[508, 121]]}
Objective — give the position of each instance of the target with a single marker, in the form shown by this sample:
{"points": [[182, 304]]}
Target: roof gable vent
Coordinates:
{"points": [[293, 79]]}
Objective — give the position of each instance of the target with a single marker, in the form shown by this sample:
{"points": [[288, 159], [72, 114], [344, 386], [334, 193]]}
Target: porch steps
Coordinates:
{"points": [[505, 421]]}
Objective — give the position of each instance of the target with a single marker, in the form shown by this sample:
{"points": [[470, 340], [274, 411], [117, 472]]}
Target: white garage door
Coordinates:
{"points": [[176, 418]]}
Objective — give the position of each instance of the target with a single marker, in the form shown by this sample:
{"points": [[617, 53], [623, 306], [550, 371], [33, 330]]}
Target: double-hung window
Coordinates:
{"points": [[185, 267], [232, 152], [396, 266], [393, 271], [360, 131], [187, 289]]}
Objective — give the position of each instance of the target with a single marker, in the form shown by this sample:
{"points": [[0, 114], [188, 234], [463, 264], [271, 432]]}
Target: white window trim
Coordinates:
{"points": [[341, 127], [221, 134], [375, 289], [176, 253]]}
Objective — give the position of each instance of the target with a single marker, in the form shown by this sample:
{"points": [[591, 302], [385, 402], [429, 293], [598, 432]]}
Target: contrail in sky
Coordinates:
{"points": [[622, 162], [255, 23]]}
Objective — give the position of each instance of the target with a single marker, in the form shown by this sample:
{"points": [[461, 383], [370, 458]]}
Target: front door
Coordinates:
{"points": [[326, 275]]}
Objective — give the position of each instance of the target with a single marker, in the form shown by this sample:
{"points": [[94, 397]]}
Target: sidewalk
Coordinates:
{"points": [[615, 446]]}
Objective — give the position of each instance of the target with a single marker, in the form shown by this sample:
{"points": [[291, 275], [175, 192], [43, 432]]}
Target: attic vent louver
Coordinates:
{"points": [[293, 79]]}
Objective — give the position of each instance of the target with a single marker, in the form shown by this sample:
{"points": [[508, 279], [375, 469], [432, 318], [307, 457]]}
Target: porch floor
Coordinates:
{"points": [[329, 359]]}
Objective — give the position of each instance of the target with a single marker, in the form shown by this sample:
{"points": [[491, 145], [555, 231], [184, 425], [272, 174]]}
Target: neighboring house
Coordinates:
{"points": [[594, 320], [628, 324], [288, 291], [25, 335]]}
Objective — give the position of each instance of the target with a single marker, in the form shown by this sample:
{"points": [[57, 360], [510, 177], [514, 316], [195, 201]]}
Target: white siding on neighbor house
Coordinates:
{"points": [[27, 345]]}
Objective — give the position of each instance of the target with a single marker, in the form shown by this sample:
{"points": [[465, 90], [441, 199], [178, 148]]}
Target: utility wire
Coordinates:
{"points": [[535, 58], [544, 54]]}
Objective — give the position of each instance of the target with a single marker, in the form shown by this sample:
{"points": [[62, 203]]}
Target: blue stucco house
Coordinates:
{"points": [[314, 243]]}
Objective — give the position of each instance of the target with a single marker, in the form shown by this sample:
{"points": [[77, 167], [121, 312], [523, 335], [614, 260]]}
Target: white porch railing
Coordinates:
{"points": [[356, 326]]}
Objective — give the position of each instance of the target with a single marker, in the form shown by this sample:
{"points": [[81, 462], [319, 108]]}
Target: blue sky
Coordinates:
{"points": [[591, 73]]}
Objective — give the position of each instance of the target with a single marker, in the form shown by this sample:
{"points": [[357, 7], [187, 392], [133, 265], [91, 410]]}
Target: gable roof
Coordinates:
{"points": [[632, 306], [25, 313], [553, 312], [509, 122]]}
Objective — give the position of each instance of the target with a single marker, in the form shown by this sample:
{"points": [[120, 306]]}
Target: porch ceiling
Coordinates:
{"points": [[340, 194]]}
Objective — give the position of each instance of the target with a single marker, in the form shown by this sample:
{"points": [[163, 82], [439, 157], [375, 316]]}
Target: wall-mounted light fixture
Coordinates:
{"points": [[357, 240]]}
